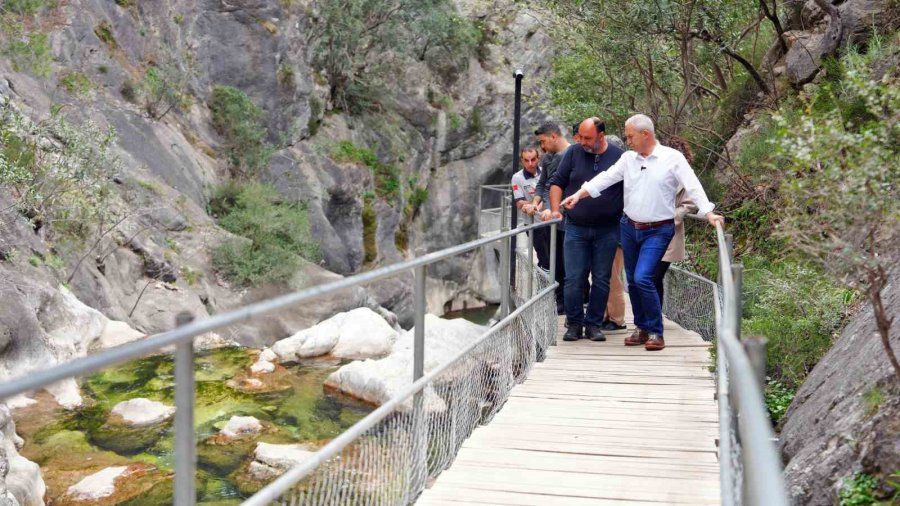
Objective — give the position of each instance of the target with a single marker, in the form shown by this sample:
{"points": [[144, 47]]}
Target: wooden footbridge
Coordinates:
{"points": [[597, 424]]}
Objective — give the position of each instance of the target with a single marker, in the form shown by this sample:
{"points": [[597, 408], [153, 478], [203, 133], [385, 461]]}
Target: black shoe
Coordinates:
{"points": [[594, 333], [613, 327], [573, 333]]}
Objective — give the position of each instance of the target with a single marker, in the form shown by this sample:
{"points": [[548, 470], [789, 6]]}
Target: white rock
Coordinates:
{"points": [[140, 412], [376, 381], [116, 333], [364, 334], [267, 355], [312, 342], [273, 460], [360, 333], [254, 383], [262, 367], [239, 426], [19, 401], [24, 484], [213, 341], [66, 393], [263, 472], [98, 485]]}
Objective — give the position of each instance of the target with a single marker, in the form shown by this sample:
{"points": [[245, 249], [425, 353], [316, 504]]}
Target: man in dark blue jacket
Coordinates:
{"points": [[592, 231]]}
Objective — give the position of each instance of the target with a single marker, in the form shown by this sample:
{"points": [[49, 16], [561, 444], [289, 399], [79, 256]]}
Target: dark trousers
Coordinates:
{"points": [[588, 250], [542, 247], [659, 275], [643, 251], [542, 251]]}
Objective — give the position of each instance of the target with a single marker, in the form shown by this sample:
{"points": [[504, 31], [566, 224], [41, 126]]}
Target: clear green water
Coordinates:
{"points": [[292, 406], [481, 315]]}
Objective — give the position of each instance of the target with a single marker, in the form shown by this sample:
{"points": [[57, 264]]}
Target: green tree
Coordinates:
{"points": [[240, 122], [357, 44], [841, 201]]}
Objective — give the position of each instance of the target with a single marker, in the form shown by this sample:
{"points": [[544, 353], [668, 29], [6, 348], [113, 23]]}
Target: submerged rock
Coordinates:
{"points": [[241, 426], [360, 333], [271, 460], [142, 412], [98, 485]]}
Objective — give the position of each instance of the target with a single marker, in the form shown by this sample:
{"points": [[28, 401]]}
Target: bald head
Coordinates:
{"points": [[592, 136]]}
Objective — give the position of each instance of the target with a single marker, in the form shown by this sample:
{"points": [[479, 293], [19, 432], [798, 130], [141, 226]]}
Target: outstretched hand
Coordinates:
{"points": [[570, 201]]}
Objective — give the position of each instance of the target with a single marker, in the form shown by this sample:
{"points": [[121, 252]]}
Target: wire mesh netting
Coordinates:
{"points": [[689, 301], [390, 463]]}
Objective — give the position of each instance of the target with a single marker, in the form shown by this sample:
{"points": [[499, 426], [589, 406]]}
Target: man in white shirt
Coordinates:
{"points": [[652, 174]]}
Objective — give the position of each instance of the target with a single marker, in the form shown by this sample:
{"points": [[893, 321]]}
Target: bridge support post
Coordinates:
{"points": [[419, 463], [755, 346], [505, 254], [185, 442]]}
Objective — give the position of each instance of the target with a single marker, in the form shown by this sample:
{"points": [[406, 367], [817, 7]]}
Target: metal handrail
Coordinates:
{"points": [[273, 491], [183, 336], [740, 398]]}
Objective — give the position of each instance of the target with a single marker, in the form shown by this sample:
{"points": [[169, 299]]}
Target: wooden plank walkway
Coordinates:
{"points": [[597, 424]]}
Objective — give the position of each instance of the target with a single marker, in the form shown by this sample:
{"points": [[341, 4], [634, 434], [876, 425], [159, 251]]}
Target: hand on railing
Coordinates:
{"points": [[548, 215], [715, 219]]}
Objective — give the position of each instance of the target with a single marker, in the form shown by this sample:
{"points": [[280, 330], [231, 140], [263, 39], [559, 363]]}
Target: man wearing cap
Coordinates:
{"points": [[652, 174]]}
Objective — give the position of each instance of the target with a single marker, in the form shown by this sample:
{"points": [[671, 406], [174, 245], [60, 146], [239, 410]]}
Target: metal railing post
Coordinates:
{"points": [[529, 283], [420, 464], [552, 253], [185, 441], [737, 274], [504, 276], [755, 346]]}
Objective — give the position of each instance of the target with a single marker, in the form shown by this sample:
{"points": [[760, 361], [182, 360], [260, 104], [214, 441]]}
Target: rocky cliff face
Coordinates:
{"points": [[846, 417], [444, 127]]}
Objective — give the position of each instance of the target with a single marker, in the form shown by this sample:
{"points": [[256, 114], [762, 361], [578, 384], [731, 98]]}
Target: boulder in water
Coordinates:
{"points": [[241, 426], [376, 381], [142, 412], [357, 334]]}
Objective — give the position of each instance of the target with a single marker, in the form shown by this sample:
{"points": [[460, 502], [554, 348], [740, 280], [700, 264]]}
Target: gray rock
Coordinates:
{"points": [[831, 431]]}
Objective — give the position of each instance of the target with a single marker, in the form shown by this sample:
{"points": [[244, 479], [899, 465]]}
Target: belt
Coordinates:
{"points": [[652, 224]]}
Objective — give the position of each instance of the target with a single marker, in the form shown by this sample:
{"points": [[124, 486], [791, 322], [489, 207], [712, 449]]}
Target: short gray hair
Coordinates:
{"points": [[641, 122]]}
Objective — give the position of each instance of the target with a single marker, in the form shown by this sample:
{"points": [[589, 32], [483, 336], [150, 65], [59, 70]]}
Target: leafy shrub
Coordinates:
{"points": [[62, 187], [240, 122], [286, 75], [105, 34], [28, 52], [163, 88], [778, 399], [27, 7], [370, 229], [387, 177], [859, 490], [840, 200], [76, 83], [277, 234], [797, 309]]}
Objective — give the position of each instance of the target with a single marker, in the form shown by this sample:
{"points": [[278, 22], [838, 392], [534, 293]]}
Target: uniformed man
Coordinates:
{"points": [[524, 187]]}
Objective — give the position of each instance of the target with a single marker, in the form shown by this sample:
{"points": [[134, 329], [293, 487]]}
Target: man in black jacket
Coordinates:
{"points": [[592, 231]]}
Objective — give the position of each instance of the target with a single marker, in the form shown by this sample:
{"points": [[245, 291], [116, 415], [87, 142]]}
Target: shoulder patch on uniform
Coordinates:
{"points": [[515, 187]]}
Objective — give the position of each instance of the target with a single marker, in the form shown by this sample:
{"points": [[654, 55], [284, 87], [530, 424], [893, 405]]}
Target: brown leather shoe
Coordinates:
{"points": [[655, 343], [637, 338]]}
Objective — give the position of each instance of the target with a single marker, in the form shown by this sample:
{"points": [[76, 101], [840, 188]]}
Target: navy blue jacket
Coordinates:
{"points": [[578, 166]]}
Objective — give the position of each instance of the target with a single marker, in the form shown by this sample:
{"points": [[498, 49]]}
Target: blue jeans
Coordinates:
{"points": [[643, 250], [588, 250]]}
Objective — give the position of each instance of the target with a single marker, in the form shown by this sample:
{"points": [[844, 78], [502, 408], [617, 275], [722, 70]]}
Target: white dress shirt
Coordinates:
{"points": [[651, 184]]}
